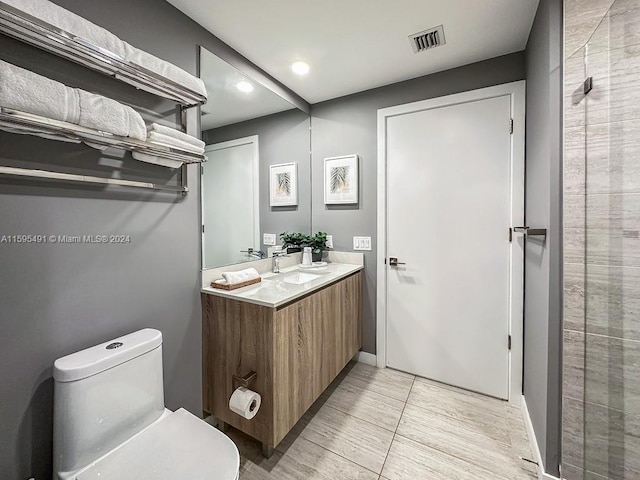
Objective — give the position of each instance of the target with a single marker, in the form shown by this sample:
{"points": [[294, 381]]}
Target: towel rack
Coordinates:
{"points": [[28, 123], [70, 177], [36, 32]]}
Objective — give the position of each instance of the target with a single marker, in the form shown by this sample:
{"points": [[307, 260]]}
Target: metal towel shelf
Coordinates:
{"points": [[32, 30], [70, 177], [29, 29], [34, 124]]}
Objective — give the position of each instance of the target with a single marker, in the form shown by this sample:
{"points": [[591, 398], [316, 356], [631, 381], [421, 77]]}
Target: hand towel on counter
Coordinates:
{"points": [[164, 162], [71, 23], [240, 276], [177, 134], [29, 92], [164, 68], [171, 142]]}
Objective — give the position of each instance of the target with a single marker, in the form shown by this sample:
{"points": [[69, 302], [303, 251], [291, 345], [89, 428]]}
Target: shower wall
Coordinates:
{"points": [[601, 354]]}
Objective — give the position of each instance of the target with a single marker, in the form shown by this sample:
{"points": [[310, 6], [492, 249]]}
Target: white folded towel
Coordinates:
{"points": [[177, 134], [164, 162], [29, 92], [100, 37], [171, 142], [71, 23], [240, 276], [164, 68], [105, 114]]}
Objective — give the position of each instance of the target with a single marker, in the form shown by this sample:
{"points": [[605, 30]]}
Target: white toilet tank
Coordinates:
{"points": [[103, 396]]}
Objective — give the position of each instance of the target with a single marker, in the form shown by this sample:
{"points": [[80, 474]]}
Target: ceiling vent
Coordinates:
{"points": [[432, 38]]}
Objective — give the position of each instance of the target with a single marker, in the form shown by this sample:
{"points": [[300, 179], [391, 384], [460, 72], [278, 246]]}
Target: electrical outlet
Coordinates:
{"points": [[329, 241], [362, 243], [269, 238]]}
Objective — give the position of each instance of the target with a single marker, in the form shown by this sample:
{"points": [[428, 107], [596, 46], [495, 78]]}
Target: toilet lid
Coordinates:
{"points": [[179, 446]]}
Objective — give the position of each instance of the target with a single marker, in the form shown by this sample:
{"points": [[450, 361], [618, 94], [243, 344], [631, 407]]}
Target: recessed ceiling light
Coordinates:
{"points": [[300, 68], [245, 87]]}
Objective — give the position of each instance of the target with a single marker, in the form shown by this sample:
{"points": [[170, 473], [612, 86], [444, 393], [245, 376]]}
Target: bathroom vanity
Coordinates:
{"points": [[297, 330]]}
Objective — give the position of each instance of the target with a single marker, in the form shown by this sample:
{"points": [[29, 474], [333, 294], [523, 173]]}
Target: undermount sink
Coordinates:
{"points": [[300, 277]]}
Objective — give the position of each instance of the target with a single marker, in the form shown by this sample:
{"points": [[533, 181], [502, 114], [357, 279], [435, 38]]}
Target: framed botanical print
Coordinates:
{"points": [[283, 184], [341, 180]]}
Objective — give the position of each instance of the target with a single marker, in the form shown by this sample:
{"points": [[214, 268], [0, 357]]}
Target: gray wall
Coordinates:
{"points": [[543, 302], [283, 138], [348, 125], [57, 299]]}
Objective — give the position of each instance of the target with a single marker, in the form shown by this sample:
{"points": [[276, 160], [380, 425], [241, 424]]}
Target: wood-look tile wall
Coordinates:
{"points": [[601, 360]]}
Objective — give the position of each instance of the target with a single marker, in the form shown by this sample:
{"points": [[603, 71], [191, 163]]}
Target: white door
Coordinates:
{"points": [[449, 208], [230, 208]]}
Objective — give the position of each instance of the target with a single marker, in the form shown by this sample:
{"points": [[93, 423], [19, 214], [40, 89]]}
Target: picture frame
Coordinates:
{"points": [[283, 184], [341, 180]]}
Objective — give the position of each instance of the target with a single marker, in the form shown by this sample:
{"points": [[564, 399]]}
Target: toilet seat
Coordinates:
{"points": [[176, 447]]}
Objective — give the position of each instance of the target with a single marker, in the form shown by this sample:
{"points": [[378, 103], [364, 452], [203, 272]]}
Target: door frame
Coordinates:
{"points": [[516, 90], [250, 140]]}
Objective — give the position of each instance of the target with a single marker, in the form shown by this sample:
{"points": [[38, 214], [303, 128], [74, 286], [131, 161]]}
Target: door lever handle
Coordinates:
{"points": [[393, 262]]}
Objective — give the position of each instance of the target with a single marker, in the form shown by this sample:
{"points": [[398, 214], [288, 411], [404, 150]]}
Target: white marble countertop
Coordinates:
{"points": [[291, 283]]}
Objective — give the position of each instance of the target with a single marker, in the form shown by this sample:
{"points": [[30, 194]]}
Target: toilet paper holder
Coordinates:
{"points": [[244, 380]]}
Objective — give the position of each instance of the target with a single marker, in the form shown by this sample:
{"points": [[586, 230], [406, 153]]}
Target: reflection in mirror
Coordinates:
{"points": [[248, 129]]}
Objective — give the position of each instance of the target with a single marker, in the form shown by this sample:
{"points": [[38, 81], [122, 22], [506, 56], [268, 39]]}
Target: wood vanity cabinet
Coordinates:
{"points": [[296, 350]]}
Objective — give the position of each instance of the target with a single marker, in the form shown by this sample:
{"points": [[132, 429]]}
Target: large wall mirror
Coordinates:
{"points": [[257, 179]]}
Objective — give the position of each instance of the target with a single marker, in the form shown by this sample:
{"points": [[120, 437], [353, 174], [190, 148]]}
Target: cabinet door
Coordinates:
{"points": [[314, 339]]}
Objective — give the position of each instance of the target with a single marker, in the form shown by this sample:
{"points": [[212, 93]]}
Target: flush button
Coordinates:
{"points": [[114, 345]]}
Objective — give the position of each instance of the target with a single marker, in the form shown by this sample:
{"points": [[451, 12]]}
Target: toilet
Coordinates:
{"points": [[110, 422]]}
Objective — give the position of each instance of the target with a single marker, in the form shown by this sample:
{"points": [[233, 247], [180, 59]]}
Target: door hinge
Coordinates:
{"points": [[509, 342], [201, 169], [587, 85], [511, 125], [510, 234], [202, 228]]}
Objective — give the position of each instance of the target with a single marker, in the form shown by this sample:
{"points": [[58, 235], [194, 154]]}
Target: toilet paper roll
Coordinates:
{"points": [[245, 402]]}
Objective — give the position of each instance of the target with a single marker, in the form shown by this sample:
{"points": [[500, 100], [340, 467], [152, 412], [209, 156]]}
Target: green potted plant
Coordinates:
{"points": [[293, 242], [318, 244]]}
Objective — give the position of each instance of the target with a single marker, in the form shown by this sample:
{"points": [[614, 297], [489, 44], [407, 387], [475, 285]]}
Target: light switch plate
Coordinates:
{"points": [[329, 241], [362, 243], [269, 238]]}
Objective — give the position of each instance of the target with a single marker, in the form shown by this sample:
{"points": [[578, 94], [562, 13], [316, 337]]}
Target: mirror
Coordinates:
{"points": [[256, 141]]}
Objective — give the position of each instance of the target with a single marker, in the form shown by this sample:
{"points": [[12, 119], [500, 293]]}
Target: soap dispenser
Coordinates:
{"points": [[306, 257]]}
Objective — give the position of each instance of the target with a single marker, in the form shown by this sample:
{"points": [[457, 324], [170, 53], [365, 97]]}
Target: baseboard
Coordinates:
{"points": [[365, 357], [542, 475]]}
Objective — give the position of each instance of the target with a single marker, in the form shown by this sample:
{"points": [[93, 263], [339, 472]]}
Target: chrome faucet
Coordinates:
{"points": [[275, 260], [254, 253]]}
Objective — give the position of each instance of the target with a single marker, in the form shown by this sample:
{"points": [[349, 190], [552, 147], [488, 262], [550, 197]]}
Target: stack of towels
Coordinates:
{"points": [[29, 92], [98, 36], [231, 278], [171, 138]]}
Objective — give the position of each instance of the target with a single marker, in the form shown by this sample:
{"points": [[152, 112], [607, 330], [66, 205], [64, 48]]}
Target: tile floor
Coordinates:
{"points": [[375, 424]]}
